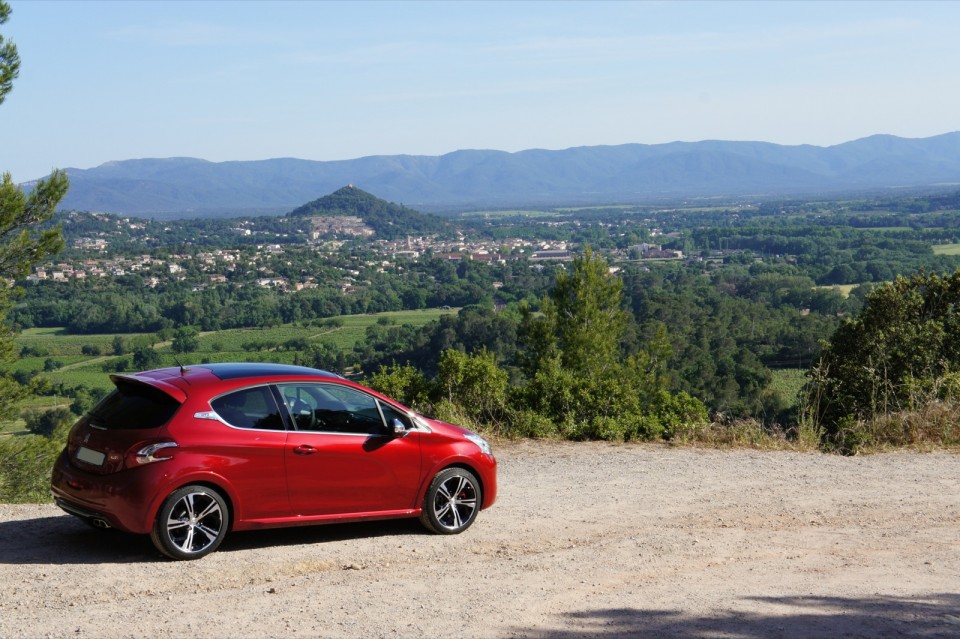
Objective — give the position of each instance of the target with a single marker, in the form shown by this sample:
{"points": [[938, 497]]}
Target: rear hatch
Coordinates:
{"points": [[129, 418]]}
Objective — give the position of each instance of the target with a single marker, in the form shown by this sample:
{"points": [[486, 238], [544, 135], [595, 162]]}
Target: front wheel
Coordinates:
{"points": [[452, 502], [191, 523]]}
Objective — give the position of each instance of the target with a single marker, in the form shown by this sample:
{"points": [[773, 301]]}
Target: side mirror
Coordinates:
{"points": [[398, 427]]}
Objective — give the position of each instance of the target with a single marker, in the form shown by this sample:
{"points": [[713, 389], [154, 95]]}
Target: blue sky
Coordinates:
{"points": [[104, 81]]}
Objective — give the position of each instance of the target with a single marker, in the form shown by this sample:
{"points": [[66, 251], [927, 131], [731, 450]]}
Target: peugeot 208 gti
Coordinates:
{"points": [[189, 454]]}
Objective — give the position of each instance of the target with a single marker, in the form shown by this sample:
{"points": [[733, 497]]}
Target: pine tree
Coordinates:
{"points": [[23, 243], [578, 375]]}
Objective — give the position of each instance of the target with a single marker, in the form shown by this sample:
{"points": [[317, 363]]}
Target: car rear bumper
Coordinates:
{"points": [[107, 501]]}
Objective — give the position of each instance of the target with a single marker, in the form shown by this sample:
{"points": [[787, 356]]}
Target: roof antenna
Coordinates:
{"points": [[182, 369]]}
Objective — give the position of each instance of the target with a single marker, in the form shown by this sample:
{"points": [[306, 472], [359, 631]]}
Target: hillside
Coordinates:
{"points": [[188, 187], [387, 219]]}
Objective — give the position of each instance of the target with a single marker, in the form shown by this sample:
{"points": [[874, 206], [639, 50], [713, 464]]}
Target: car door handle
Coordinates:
{"points": [[304, 449]]}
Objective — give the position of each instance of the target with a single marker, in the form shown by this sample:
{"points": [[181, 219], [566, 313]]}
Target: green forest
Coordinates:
{"points": [[828, 323], [732, 337], [729, 323]]}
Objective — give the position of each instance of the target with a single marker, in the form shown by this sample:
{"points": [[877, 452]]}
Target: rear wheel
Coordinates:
{"points": [[191, 523], [452, 502]]}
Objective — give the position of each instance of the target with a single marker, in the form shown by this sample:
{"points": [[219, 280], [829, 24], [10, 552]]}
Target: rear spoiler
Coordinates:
{"points": [[152, 382]]}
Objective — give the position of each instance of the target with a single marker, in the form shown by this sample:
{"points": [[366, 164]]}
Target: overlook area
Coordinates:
{"points": [[747, 543], [649, 310]]}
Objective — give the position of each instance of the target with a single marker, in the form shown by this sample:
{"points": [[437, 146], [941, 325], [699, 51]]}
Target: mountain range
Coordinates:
{"points": [[629, 173]]}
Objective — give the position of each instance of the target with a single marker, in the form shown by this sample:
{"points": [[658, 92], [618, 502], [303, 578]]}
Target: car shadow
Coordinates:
{"points": [[811, 617], [64, 539], [319, 534]]}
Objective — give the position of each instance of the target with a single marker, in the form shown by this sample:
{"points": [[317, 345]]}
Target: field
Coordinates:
{"points": [[843, 289], [510, 213], [52, 348], [946, 249], [788, 382]]}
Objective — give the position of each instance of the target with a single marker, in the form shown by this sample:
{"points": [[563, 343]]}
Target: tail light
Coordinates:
{"points": [[150, 452]]}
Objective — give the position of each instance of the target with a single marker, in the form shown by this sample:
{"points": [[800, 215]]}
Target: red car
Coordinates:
{"points": [[188, 454]]}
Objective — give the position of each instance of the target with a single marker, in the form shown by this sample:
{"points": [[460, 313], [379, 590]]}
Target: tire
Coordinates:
{"points": [[191, 523], [452, 502]]}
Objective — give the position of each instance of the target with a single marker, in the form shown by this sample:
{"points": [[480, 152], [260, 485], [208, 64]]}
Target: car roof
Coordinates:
{"points": [[177, 381], [237, 370]]}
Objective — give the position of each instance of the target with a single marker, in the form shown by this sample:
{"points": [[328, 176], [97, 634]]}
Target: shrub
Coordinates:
{"points": [[46, 422], [145, 358], [738, 433], [527, 423], [447, 411], [902, 346], [186, 339], [25, 464], [474, 383], [406, 384]]}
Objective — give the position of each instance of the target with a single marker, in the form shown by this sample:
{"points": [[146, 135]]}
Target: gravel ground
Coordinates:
{"points": [[587, 540]]}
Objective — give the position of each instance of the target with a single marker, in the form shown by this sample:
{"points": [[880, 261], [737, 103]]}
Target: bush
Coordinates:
{"points": [[25, 377], [145, 358], [83, 400], [474, 383], [116, 366], [891, 358], [25, 464], [934, 424], [527, 423], [46, 422], [186, 339], [447, 411], [737, 433], [405, 384]]}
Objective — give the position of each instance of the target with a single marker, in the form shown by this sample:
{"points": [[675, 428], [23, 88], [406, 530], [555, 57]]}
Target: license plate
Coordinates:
{"points": [[90, 456]]}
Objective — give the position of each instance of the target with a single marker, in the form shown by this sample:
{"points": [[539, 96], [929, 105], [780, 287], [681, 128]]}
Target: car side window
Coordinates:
{"points": [[390, 413], [303, 404], [252, 408], [333, 409]]}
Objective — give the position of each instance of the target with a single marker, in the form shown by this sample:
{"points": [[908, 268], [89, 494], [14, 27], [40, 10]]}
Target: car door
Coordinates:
{"points": [[250, 448], [341, 459]]}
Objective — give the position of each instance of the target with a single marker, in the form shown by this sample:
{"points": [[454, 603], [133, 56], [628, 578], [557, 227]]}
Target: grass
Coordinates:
{"points": [[843, 289], [218, 346], [10, 428], [344, 337], [946, 249], [57, 343], [503, 214], [788, 382], [747, 433]]}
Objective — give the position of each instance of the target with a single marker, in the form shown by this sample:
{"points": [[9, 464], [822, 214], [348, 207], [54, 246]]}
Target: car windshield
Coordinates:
{"points": [[133, 405]]}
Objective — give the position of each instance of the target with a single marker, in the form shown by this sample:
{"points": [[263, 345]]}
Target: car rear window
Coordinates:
{"points": [[250, 408], [132, 406]]}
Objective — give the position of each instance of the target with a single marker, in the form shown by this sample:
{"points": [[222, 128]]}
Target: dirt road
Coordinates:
{"points": [[587, 540]]}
